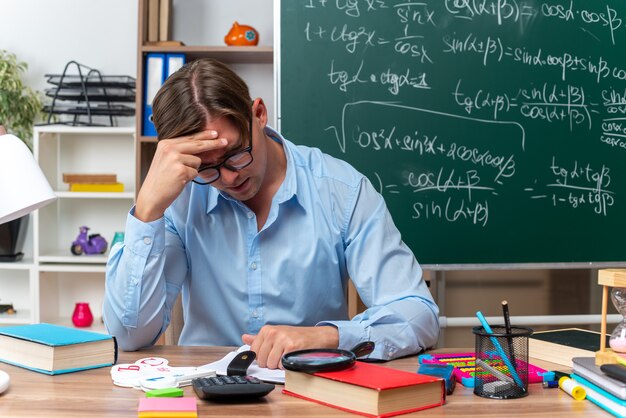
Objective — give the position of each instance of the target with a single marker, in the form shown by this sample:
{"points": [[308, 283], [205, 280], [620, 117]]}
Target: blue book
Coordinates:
{"points": [[55, 349], [602, 398]]}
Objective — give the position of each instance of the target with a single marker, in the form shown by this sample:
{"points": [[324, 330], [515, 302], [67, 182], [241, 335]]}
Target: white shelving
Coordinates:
{"points": [[47, 283]]}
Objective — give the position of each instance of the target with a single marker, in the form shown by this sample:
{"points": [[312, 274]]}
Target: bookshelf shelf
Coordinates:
{"points": [[47, 283], [227, 54]]}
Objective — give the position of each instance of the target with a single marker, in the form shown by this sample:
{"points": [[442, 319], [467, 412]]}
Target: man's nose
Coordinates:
{"points": [[228, 176]]}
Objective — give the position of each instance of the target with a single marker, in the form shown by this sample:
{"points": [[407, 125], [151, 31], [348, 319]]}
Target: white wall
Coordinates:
{"points": [[46, 34], [102, 34]]}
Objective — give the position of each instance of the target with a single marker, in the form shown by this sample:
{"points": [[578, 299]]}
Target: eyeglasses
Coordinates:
{"points": [[236, 162]]}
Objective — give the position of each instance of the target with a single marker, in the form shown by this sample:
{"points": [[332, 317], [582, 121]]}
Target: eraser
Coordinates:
{"points": [[497, 386], [165, 393]]}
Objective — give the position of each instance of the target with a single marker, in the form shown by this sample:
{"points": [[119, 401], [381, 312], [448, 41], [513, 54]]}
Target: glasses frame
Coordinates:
{"points": [[217, 167]]}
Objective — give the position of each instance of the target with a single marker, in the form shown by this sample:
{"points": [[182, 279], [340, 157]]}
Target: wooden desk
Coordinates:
{"points": [[91, 393]]}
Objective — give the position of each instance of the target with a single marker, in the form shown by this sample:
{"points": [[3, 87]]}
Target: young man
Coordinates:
{"points": [[260, 235]]}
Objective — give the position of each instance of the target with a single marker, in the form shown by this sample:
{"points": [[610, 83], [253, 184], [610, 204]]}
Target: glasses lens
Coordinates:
{"points": [[208, 175], [239, 161]]}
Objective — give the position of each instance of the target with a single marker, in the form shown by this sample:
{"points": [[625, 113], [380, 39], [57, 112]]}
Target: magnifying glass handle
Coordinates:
{"points": [[363, 349]]}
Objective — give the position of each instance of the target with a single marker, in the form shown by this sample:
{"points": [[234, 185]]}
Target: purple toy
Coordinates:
{"points": [[94, 244]]}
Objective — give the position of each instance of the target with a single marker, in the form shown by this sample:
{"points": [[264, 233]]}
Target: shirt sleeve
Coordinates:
{"points": [[141, 287], [402, 318]]}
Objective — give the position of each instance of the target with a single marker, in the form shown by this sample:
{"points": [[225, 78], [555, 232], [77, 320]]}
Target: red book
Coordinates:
{"points": [[368, 389]]}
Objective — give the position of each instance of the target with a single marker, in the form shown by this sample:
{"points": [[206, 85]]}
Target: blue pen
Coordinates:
{"points": [[498, 347]]}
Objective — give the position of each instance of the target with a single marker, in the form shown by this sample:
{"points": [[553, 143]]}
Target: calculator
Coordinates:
{"points": [[230, 388]]}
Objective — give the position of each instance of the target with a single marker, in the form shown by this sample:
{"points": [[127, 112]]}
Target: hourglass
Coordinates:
{"points": [[615, 278], [618, 337]]}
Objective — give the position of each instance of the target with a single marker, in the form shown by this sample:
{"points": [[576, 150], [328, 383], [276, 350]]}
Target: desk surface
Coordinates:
{"points": [[91, 393]]}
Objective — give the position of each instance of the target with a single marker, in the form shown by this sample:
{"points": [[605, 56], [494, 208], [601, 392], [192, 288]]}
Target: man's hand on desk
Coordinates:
{"points": [[275, 340]]}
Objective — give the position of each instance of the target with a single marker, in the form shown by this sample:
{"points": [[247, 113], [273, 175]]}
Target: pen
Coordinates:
{"points": [[507, 326], [497, 373], [498, 348]]}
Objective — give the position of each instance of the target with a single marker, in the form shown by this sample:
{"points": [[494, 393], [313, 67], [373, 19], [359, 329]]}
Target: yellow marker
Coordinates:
{"points": [[621, 360], [570, 387]]}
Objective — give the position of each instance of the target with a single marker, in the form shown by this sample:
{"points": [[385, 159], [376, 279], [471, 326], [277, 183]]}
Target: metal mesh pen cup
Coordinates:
{"points": [[501, 362]]}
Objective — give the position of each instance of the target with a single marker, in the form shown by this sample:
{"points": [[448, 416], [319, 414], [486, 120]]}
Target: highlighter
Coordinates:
{"points": [[570, 387]]}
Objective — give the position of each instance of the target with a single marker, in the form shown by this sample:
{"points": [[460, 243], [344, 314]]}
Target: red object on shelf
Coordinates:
{"points": [[82, 316]]}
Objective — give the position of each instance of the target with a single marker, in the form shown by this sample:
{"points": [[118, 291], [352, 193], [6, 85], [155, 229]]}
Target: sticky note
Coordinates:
{"points": [[165, 393]]}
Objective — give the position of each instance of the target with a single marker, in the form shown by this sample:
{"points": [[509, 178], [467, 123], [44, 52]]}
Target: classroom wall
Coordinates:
{"points": [[102, 34]]}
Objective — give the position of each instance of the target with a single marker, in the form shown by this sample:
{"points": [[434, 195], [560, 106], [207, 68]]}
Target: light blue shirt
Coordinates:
{"points": [[326, 224]]}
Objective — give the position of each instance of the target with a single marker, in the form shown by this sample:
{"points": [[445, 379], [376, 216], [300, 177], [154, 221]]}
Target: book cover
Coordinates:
{"points": [[560, 346], [55, 349], [586, 367], [96, 187], [89, 178], [601, 398], [368, 389]]}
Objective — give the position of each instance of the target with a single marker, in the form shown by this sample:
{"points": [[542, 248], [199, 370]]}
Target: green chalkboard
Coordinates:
{"points": [[494, 129]]}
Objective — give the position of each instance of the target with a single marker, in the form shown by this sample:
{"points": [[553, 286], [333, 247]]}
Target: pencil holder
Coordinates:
{"points": [[501, 362]]}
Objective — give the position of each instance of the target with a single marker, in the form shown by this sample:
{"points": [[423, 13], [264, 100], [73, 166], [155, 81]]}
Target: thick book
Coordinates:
{"points": [[602, 398], [368, 389], [561, 345], [89, 178], [586, 367], [96, 187], [55, 349]]}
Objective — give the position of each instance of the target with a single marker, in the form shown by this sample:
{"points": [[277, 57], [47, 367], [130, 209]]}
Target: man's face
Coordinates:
{"points": [[243, 184]]}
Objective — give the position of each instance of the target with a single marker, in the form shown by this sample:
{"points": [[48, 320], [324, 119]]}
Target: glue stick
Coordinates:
{"points": [[570, 387]]}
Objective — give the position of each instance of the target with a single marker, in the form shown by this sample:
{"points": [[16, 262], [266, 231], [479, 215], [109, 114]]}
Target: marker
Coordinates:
{"points": [[497, 373], [498, 347]]}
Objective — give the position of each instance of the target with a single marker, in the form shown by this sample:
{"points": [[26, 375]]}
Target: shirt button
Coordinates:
{"points": [[250, 215], [253, 266], [147, 240], [255, 314]]}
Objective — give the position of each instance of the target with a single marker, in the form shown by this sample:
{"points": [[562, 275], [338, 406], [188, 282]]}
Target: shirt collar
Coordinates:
{"points": [[286, 191]]}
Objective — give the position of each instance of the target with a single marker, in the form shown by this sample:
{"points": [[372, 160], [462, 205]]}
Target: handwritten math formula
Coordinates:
{"points": [[464, 113]]}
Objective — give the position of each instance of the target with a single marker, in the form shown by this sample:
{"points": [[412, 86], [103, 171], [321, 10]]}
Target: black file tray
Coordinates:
{"points": [[81, 91], [95, 94], [93, 80]]}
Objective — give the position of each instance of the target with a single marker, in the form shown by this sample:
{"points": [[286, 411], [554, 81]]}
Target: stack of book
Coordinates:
{"points": [[606, 392], [560, 346], [93, 182]]}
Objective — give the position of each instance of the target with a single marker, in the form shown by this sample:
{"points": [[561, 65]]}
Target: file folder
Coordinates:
{"points": [[173, 62], [154, 75]]}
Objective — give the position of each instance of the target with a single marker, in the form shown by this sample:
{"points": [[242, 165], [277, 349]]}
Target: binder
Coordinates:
{"points": [[173, 62], [154, 76]]}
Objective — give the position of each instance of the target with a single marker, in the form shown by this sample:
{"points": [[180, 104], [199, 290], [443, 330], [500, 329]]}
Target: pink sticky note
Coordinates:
{"points": [[167, 404]]}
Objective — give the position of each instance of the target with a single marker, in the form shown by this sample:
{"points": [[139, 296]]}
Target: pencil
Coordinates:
{"points": [[507, 327]]}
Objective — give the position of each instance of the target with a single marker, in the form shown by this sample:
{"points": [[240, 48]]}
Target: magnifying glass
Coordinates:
{"points": [[325, 359]]}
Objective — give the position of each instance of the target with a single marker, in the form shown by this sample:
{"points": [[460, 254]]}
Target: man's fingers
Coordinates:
{"points": [[196, 143], [247, 339], [274, 357]]}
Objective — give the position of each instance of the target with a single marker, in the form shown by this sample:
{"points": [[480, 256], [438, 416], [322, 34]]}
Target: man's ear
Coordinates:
{"points": [[259, 111]]}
